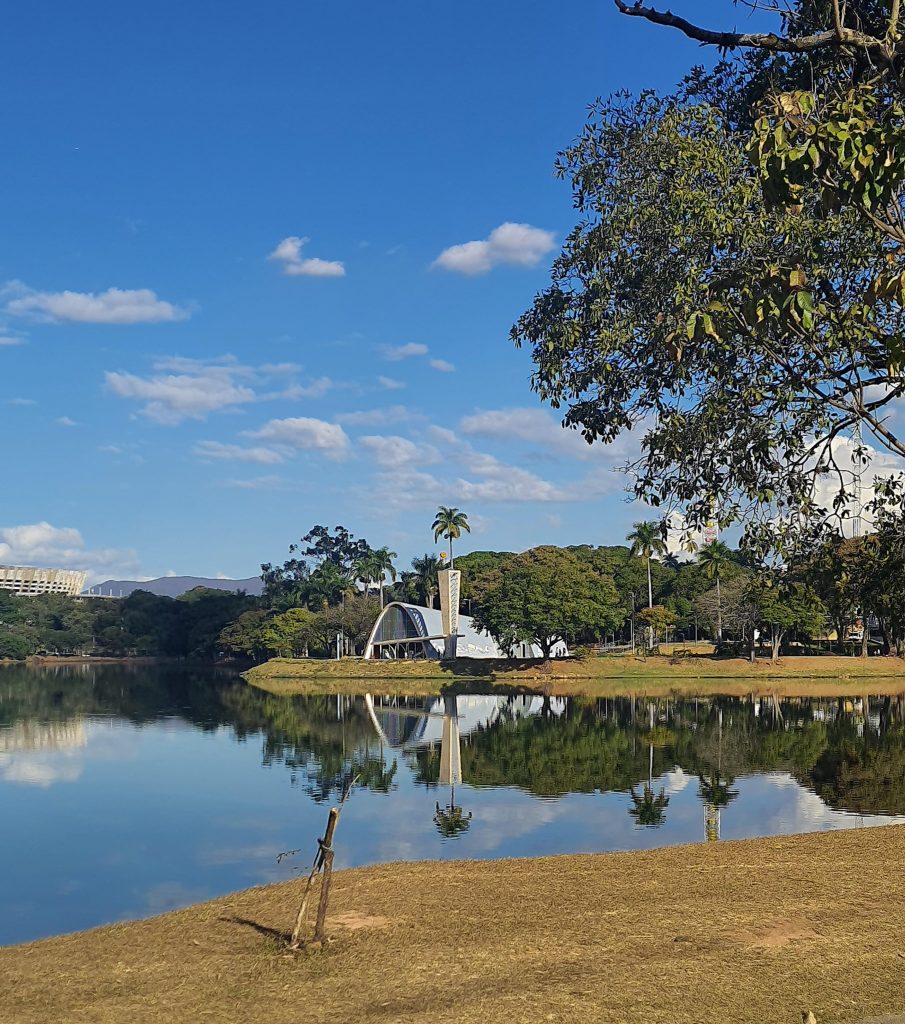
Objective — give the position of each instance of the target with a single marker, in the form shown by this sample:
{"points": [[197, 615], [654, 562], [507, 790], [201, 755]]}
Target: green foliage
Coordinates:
{"points": [[546, 595], [742, 335], [141, 624], [449, 523], [321, 569]]}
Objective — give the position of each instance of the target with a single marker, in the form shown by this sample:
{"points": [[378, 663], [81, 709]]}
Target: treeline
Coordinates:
{"points": [[325, 598], [142, 624]]}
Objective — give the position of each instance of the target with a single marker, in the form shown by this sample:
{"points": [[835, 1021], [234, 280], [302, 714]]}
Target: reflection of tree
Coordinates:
{"points": [[862, 774], [451, 821], [322, 744], [649, 808], [546, 755]]}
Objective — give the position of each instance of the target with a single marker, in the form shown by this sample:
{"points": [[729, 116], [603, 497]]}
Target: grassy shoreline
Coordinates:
{"points": [[592, 677], [750, 932]]}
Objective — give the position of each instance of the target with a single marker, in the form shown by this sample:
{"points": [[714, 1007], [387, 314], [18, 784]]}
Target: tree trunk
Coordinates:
{"points": [[884, 633], [719, 611], [451, 564], [840, 635], [865, 634], [776, 644], [650, 592]]}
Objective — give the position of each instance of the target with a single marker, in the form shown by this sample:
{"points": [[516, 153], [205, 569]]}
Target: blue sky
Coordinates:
{"points": [[235, 301]]}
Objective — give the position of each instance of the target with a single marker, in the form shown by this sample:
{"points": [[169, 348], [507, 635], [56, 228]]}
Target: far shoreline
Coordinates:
{"points": [[800, 676]]}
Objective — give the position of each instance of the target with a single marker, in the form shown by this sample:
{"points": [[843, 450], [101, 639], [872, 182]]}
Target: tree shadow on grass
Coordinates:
{"points": [[261, 929]]}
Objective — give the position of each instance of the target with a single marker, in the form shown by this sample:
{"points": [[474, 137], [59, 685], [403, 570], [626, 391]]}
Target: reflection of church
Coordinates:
{"points": [[415, 725]]}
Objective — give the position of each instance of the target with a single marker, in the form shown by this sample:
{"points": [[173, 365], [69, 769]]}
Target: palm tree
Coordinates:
{"points": [[425, 573], [451, 821], [383, 561], [649, 808], [647, 541], [374, 567], [449, 523], [713, 559]]}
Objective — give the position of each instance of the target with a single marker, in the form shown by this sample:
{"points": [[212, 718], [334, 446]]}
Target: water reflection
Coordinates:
{"points": [[131, 787]]}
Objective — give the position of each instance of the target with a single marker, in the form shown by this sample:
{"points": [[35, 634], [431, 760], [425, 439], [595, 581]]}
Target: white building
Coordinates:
{"points": [[27, 581], [410, 631]]}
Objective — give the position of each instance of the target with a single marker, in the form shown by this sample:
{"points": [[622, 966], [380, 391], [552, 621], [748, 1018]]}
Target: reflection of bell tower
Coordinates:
{"points": [[451, 821], [450, 745], [711, 823]]}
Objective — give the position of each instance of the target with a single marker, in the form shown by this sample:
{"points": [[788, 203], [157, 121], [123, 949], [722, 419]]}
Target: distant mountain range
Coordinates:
{"points": [[174, 586]]}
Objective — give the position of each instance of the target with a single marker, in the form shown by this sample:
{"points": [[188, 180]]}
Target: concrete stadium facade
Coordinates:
{"points": [[27, 581]]}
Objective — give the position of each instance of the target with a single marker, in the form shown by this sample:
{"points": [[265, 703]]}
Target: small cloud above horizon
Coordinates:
{"points": [[289, 254], [395, 353], [114, 306], [516, 245]]}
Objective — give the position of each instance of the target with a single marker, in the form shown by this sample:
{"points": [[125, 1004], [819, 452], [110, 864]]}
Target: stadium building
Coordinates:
{"points": [[26, 581]]}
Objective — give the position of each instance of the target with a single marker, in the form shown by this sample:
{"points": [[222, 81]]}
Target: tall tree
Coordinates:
{"points": [[425, 571], [746, 331], [714, 558], [546, 595], [449, 523], [647, 540]]}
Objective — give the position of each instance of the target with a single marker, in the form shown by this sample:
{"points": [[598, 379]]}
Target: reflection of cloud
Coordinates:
{"points": [[493, 826], [675, 781], [801, 810], [43, 754], [39, 769]]}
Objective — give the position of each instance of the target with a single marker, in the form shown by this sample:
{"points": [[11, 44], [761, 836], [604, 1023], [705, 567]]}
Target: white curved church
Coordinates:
{"points": [[413, 632]]}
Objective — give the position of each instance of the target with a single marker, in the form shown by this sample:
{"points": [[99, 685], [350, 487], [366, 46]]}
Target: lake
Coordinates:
{"points": [[126, 791]]}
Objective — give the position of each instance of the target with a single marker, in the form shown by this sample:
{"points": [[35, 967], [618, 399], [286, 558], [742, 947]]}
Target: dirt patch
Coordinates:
{"points": [[353, 920], [775, 934]]}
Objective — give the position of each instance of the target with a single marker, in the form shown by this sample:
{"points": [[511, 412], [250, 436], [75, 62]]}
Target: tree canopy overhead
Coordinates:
{"points": [[734, 287]]}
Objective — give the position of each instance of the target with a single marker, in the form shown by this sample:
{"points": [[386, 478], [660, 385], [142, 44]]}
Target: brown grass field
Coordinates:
{"points": [[747, 932], [591, 677]]}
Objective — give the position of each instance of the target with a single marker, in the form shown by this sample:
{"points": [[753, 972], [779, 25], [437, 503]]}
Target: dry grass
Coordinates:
{"points": [[749, 933], [591, 677]]}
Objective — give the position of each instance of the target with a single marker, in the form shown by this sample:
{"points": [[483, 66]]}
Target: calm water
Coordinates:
{"points": [[126, 792]]}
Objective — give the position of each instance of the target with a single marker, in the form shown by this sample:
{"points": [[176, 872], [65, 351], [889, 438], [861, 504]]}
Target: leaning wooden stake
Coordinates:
{"points": [[322, 861]]}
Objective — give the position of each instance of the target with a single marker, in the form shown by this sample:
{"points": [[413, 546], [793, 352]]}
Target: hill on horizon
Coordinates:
{"points": [[174, 586]]}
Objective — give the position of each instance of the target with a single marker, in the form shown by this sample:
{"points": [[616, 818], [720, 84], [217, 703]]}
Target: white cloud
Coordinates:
{"points": [[375, 417], [442, 365], [304, 433], [289, 253], [396, 352], [216, 450], [65, 421], [395, 452], [881, 465], [390, 383], [21, 401], [172, 398], [43, 545], [510, 484], [258, 483], [114, 306], [7, 341], [519, 245], [316, 389], [182, 388]]}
